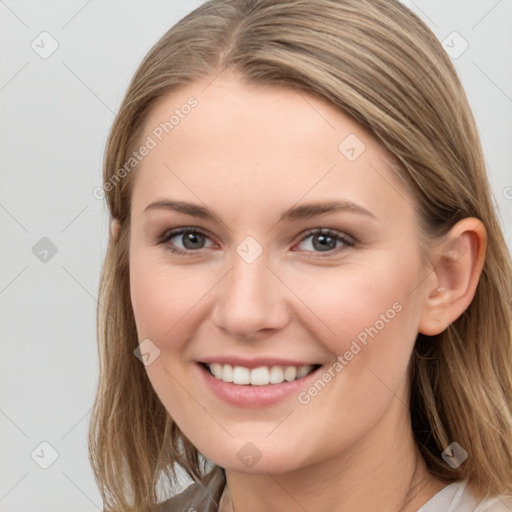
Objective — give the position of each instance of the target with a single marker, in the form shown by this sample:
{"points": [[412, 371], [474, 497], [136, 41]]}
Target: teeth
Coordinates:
{"points": [[290, 373], [302, 371], [241, 375], [276, 375], [227, 373], [216, 369], [260, 376]]}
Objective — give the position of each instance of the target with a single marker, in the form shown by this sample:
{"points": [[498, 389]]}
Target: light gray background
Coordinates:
{"points": [[56, 113]]}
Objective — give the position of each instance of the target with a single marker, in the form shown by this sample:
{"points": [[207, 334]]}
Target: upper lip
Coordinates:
{"points": [[256, 362]]}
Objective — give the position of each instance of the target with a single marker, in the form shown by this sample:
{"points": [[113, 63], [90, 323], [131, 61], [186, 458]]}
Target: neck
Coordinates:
{"points": [[384, 472]]}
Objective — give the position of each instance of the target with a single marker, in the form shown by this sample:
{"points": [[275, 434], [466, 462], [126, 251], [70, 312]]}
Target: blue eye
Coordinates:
{"points": [[193, 239]]}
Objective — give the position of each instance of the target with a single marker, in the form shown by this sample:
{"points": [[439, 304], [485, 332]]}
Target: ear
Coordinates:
{"points": [[451, 285], [115, 227]]}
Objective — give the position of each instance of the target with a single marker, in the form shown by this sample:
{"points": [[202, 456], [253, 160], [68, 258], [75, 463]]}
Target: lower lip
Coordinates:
{"points": [[254, 396]]}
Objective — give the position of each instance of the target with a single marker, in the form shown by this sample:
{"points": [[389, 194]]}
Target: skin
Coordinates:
{"points": [[249, 152]]}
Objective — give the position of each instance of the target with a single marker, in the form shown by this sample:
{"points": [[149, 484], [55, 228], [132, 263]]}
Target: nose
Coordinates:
{"points": [[251, 300]]}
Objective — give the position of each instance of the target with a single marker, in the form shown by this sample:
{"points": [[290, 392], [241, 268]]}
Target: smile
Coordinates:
{"points": [[260, 376]]}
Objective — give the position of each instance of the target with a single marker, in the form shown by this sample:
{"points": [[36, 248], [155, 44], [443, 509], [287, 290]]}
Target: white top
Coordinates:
{"points": [[457, 497], [205, 497]]}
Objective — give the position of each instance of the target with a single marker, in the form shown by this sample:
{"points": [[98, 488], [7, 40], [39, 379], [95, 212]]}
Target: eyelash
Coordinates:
{"points": [[348, 242]]}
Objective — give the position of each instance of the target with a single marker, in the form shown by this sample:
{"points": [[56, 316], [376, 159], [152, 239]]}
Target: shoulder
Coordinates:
{"points": [[492, 504], [458, 496], [498, 504], [203, 496]]}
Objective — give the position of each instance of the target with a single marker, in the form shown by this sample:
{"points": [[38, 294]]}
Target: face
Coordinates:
{"points": [[318, 307]]}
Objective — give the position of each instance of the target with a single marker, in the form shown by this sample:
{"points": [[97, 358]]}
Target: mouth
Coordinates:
{"points": [[260, 376]]}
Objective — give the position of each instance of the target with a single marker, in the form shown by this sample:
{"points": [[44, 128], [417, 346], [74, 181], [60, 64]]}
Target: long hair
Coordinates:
{"points": [[376, 61]]}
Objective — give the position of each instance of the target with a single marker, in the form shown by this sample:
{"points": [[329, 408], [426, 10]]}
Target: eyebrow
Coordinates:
{"points": [[305, 211]]}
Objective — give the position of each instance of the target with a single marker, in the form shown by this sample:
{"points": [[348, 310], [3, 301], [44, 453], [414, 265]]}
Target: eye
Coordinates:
{"points": [[325, 240], [192, 239]]}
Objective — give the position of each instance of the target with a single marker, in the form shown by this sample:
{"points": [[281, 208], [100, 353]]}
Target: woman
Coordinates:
{"points": [[344, 322]]}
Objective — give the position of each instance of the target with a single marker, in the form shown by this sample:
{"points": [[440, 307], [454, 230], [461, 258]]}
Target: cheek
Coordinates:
{"points": [[347, 302], [366, 316], [362, 313], [337, 304], [163, 297], [163, 300]]}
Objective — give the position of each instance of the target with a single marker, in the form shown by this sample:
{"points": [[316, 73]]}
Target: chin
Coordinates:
{"points": [[250, 459]]}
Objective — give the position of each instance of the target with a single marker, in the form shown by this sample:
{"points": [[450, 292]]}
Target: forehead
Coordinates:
{"points": [[245, 145]]}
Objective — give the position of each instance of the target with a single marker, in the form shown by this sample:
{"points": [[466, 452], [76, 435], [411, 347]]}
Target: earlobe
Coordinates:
{"points": [[452, 284], [115, 227]]}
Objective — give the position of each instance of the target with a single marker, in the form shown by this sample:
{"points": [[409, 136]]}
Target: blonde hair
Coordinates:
{"points": [[378, 62]]}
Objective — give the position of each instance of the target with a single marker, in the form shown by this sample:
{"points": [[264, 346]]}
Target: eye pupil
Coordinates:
{"points": [[192, 237], [324, 245]]}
